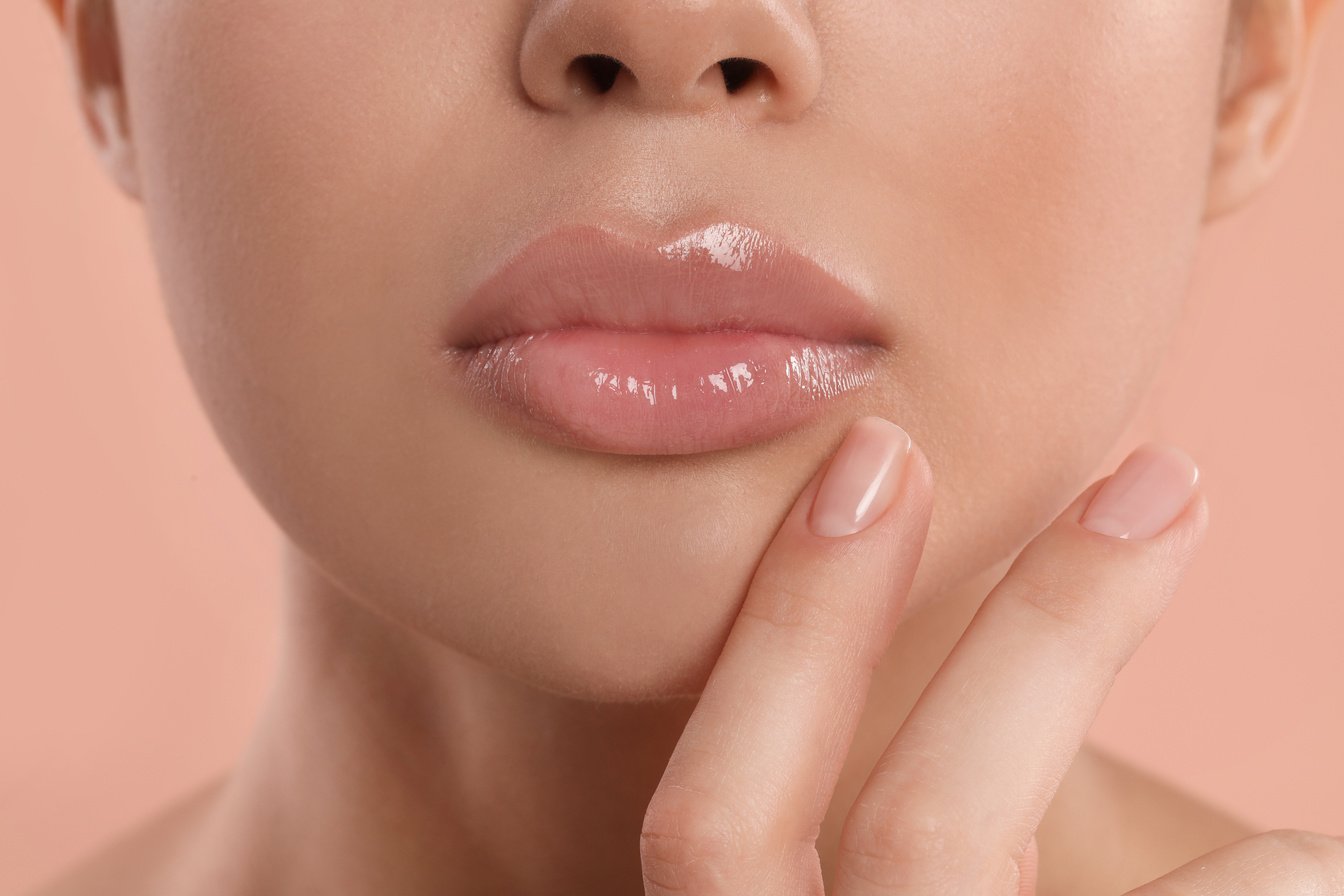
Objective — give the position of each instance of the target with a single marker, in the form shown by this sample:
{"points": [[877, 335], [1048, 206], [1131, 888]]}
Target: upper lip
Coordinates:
{"points": [[727, 276]]}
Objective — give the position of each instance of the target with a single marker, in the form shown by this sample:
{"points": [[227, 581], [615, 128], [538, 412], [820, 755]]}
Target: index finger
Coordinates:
{"points": [[741, 802]]}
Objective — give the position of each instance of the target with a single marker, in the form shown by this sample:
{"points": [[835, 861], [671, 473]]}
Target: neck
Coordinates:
{"points": [[386, 762]]}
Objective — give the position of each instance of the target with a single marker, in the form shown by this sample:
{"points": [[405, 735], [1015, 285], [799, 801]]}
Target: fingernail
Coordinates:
{"points": [[1145, 495], [862, 478]]}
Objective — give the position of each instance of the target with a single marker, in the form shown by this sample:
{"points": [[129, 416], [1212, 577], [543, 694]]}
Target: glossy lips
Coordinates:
{"points": [[716, 340]]}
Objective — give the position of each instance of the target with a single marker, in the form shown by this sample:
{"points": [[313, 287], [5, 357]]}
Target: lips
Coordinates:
{"points": [[720, 339]]}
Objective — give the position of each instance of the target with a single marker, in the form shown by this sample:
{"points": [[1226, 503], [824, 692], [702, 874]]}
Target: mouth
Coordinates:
{"points": [[720, 339]]}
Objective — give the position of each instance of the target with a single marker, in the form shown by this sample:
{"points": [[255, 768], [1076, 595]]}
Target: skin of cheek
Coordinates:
{"points": [[1020, 185]]}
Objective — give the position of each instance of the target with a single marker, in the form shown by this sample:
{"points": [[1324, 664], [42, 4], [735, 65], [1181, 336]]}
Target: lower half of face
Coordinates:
{"points": [[1020, 186]]}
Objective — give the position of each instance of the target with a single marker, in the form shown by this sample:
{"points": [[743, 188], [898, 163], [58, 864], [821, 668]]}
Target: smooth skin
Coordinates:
{"points": [[512, 668]]}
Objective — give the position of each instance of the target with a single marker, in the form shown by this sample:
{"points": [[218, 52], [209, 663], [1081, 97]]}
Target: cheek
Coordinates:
{"points": [[1038, 204], [289, 150], [310, 193]]}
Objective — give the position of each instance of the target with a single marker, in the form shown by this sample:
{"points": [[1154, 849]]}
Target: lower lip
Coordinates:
{"points": [[662, 393]]}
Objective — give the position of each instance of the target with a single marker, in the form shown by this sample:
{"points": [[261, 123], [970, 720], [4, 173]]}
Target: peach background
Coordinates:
{"points": [[138, 578]]}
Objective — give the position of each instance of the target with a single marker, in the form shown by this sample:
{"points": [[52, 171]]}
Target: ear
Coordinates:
{"points": [[1264, 86], [89, 31]]}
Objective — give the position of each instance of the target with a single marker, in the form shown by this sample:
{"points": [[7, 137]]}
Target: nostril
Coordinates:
{"points": [[598, 73], [738, 71], [596, 70]]}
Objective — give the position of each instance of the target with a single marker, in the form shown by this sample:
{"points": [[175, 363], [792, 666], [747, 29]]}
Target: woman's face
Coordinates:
{"points": [[1018, 187]]}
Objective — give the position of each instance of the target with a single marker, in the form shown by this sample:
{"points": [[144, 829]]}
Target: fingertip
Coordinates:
{"points": [[862, 479], [1148, 492]]}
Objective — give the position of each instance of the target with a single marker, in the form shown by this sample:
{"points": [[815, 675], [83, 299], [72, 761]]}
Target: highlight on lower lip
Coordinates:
{"points": [[663, 392]]}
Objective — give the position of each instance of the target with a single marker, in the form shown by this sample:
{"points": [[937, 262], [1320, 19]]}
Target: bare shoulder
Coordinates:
{"points": [[1115, 826], [138, 860]]}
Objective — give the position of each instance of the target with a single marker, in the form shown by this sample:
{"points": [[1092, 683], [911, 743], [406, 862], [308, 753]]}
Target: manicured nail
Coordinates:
{"points": [[1145, 495], [862, 479]]}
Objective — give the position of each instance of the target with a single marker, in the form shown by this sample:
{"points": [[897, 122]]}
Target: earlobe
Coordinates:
{"points": [[1262, 99], [94, 49]]}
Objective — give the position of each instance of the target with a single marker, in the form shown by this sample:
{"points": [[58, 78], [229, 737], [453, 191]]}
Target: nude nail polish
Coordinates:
{"points": [[1144, 495], [862, 478]]}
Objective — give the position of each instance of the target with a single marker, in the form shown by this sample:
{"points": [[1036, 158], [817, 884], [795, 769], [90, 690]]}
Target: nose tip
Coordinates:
{"points": [[758, 57]]}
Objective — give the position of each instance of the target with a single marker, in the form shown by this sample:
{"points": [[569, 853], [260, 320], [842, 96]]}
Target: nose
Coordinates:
{"points": [[759, 58]]}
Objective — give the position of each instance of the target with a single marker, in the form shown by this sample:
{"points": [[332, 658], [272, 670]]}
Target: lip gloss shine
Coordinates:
{"points": [[665, 393], [713, 341]]}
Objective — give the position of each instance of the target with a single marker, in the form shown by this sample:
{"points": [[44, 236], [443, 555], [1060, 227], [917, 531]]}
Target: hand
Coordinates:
{"points": [[953, 804]]}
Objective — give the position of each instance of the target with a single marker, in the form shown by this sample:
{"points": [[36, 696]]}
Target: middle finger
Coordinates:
{"points": [[953, 803]]}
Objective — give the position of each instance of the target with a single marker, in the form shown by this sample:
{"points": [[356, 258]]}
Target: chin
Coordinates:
{"points": [[636, 637]]}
